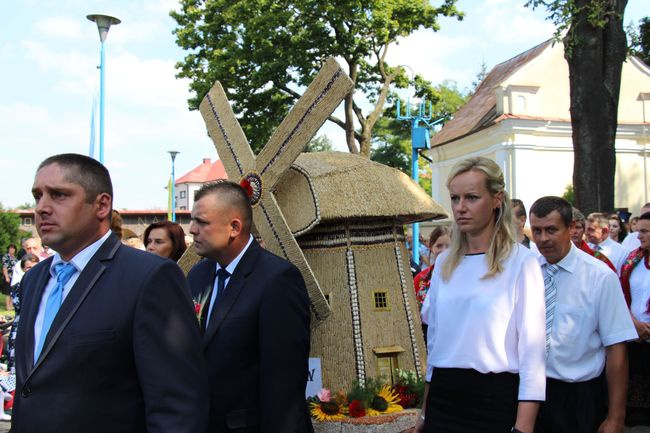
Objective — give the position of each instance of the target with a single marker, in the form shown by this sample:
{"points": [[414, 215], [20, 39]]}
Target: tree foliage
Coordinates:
{"points": [[639, 40], [322, 143], [9, 229], [595, 49], [265, 52], [480, 76], [392, 137]]}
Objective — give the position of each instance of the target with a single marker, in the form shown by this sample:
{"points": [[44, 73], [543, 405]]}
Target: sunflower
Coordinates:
{"points": [[328, 411], [385, 398]]}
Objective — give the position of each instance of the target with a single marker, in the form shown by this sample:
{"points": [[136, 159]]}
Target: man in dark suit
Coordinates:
{"points": [[255, 318], [108, 341]]}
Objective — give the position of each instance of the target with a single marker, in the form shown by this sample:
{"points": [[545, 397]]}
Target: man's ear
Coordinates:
{"points": [[236, 227], [104, 204]]}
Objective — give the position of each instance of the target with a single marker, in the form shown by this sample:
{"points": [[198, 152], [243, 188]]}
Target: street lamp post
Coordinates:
{"points": [[173, 154], [420, 140], [104, 23]]}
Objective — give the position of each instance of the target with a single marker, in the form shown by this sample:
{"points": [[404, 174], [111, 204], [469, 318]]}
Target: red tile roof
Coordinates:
{"points": [[206, 172], [480, 111]]}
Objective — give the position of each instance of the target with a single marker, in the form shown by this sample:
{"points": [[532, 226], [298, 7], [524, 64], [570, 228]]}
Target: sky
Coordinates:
{"points": [[49, 53]]}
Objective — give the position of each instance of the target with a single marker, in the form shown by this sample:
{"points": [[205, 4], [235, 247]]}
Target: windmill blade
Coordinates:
{"points": [[320, 99], [273, 228], [226, 133]]}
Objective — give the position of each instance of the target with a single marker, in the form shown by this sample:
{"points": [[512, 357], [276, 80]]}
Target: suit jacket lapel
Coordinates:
{"points": [[82, 287], [232, 291], [28, 315]]}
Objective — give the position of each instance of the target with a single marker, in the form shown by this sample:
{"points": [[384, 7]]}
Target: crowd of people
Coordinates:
{"points": [[542, 330], [545, 331]]}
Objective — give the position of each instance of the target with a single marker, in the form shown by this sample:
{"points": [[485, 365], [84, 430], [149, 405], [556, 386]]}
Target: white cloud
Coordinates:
{"points": [[59, 27], [147, 82], [71, 64], [508, 21]]}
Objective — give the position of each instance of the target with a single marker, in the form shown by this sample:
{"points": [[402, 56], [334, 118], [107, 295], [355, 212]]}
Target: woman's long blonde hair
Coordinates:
{"points": [[503, 238]]}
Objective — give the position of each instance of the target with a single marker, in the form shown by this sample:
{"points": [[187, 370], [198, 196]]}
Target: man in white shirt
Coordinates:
{"points": [[598, 237], [631, 241], [33, 246], [519, 220], [588, 324]]}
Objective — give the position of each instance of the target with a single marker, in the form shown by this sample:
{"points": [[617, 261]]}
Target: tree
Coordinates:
{"points": [[265, 52], [9, 229], [26, 206], [639, 40], [595, 49], [480, 76], [322, 143], [392, 137]]}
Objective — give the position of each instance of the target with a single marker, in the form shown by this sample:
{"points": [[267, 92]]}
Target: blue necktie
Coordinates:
{"points": [[550, 296], [64, 272], [222, 276]]}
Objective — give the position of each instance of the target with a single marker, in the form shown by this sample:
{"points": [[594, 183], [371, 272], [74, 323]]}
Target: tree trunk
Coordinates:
{"points": [[595, 57], [365, 142], [349, 125]]}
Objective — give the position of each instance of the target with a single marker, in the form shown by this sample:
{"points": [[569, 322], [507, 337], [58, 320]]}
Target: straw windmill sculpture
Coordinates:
{"points": [[346, 239], [263, 172]]}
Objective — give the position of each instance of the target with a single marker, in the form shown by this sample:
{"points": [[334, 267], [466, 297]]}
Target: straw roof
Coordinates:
{"points": [[328, 186]]}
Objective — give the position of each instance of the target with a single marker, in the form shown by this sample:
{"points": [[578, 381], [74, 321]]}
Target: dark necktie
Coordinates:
{"points": [[222, 276]]}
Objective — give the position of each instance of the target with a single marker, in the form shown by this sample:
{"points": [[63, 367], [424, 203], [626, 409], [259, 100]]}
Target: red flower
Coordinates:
{"points": [[197, 308], [245, 183], [406, 397], [356, 409]]}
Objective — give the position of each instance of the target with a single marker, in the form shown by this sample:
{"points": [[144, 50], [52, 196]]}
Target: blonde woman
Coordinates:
{"points": [[486, 339]]}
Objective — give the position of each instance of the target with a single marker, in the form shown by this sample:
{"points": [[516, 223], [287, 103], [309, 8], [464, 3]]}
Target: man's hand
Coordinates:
{"points": [[642, 328], [612, 426]]}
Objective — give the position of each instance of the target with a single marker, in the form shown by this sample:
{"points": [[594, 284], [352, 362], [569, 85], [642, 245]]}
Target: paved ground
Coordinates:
{"points": [[4, 428]]}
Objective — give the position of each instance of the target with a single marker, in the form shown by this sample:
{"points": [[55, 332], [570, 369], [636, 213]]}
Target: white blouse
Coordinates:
{"points": [[640, 292], [494, 324]]}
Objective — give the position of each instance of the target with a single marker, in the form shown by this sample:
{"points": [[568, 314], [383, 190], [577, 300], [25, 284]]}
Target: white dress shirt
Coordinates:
{"points": [[614, 252], [231, 269], [494, 324], [631, 242], [640, 292], [79, 261], [17, 274], [590, 314]]}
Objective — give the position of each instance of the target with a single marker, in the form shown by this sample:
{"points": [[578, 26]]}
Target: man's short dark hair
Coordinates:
{"points": [[90, 174], [233, 194], [545, 205], [518, 207], [645, 216]]}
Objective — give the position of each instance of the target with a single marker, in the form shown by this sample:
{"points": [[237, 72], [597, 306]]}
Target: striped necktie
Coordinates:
{"points": [[550, 296]]}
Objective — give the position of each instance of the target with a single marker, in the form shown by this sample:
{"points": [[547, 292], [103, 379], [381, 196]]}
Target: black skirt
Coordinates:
{"points": [[467, 401], [639, 384]]}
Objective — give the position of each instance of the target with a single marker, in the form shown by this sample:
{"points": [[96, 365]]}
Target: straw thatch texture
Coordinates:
{"points": [[313, 108], [352, 260], [349, 186], [188, 259]]}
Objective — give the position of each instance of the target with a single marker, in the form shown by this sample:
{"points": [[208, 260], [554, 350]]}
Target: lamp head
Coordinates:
{"points": [[173, 154], [104, 22]]}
